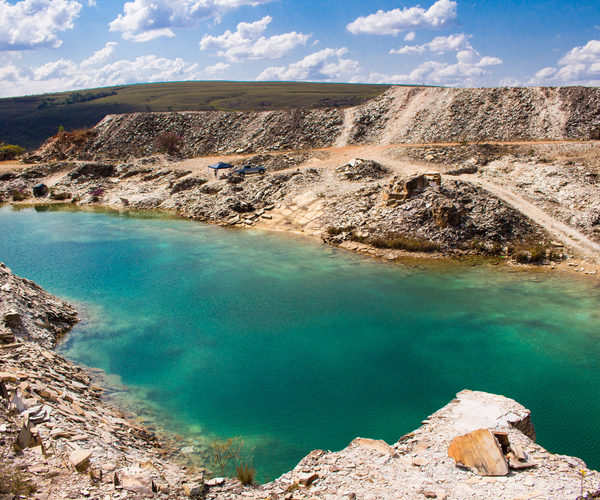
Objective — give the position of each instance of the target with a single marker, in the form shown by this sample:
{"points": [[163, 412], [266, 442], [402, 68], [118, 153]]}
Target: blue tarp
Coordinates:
{"points": [[220, 165]]}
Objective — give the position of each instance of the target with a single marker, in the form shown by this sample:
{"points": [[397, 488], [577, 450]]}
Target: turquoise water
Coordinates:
{"points": [[294, 345]]}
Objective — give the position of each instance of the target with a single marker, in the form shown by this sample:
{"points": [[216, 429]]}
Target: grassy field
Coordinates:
{"points": [[28, 121]]}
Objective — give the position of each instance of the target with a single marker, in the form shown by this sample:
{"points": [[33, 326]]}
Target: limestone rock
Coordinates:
{"points": [[480, 450], [80, 459]]}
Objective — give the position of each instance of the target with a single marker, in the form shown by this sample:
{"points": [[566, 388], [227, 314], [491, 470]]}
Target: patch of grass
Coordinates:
{"points": [[399, 242], [9, 151], [245, 472], [528, 252], [19, 195], [13, 482]]}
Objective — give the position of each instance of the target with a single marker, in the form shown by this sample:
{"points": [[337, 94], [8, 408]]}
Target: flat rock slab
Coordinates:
{"points": [[480, 450]]}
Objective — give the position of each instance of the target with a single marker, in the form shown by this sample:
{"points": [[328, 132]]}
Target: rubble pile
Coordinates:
{"points": [[202, 133], [430, 115], [400, 115], [28, 312], [56, 434], [419, 465], [457, 216], [358, 169]]}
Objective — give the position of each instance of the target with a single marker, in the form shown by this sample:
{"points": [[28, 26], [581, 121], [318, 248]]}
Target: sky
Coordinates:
{"points": [[61, 45]]}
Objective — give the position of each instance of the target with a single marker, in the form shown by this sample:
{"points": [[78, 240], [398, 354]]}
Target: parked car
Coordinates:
{"points": [[249, 169]]}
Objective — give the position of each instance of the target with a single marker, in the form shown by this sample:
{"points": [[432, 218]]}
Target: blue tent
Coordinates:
{"points": [[216, 167], [220, 165]]}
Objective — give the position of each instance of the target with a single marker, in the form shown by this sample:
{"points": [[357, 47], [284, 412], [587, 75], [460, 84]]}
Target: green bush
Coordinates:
{"points": [[9, 151]]}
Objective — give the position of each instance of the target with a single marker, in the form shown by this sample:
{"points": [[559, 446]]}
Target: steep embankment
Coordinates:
{"points": [[400, 115]]}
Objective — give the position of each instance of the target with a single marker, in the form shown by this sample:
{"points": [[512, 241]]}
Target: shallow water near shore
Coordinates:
{"points": [[294, 345]]}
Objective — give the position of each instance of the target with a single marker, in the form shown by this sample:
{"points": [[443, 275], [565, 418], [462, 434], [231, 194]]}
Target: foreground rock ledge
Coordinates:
{"points": [[418, 465], [72, 445]]}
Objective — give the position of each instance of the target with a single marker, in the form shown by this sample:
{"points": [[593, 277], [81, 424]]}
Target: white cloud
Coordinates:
{"points": [[32, 24], [410, 36], [466, 72], [217, 68], [442, 14], [439, 44], [145, 20], [580, 66], [510, 82], [100, 55], [588, 54], [247, 42], [489, 61], [65, 75], [319, 66]]}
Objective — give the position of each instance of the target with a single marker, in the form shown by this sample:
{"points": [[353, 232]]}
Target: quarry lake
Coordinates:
{"points": [[294, 345]]}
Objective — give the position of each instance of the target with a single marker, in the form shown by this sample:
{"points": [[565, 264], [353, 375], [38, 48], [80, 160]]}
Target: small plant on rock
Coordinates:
{"points": [[168, 142], [245, 472], [225, 451]]}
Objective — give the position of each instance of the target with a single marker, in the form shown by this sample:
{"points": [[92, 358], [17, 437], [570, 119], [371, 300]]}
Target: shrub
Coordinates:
{"points": [[9, 151], [60, 196], [224, 452], [245, 473], [168, 142], [399, 242], [19, 195]]}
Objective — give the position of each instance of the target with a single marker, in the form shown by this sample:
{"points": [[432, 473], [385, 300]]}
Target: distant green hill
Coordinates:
{"points": [[29, 121]]}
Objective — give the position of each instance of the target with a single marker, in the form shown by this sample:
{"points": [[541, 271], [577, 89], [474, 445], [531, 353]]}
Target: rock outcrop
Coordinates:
{"points": [[418, 466], [28, 312]]}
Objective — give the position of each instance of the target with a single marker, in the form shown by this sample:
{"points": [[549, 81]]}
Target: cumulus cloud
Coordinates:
{"points": [[326, 65], [65, 74], [442, 14], [580, 66], [217, 68], [510, 82], [439, 44], [247, 42], [410, 36], [465, 72], [100, 55], [145, 20], [33, 24]]}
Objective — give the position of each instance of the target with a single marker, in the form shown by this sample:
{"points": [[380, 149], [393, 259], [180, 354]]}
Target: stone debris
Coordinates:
{"points": [[55, 428], [28, 312], [400, 115]]}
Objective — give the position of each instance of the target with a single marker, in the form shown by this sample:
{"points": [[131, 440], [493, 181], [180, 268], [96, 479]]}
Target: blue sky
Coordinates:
{"points": [[55, 45]]}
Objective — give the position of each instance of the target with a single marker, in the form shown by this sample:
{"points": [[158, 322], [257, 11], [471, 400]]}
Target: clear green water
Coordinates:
{"points": [[295, 345]]}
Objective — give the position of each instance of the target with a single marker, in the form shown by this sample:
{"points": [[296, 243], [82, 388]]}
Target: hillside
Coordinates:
{"points": [[29, 121], [400, 115]]}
